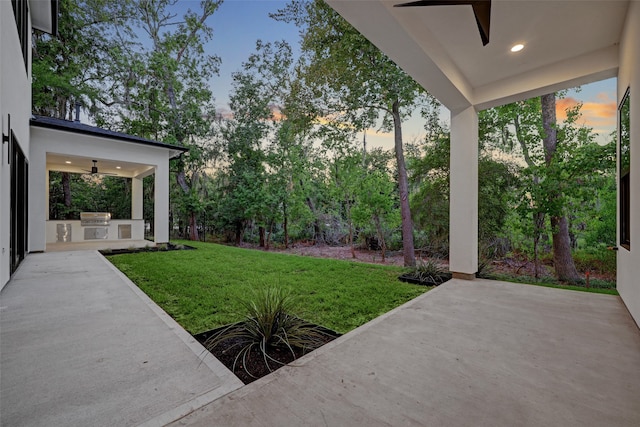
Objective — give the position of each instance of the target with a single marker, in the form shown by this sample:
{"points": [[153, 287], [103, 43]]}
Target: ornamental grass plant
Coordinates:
{"points": [[268, 323]]}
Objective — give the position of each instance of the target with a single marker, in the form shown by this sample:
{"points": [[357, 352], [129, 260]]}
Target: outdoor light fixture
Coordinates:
{"points": [[517, 47], [118, 167], [67, 162]]}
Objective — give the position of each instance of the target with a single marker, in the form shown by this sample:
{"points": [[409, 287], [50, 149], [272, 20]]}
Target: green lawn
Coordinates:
{"points": [[202, 288]]}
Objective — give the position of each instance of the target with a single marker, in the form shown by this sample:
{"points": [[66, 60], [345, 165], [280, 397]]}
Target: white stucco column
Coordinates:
{"points": [[161, 203], [46, 200], [463, 208], [38, 196], [136, 198]]}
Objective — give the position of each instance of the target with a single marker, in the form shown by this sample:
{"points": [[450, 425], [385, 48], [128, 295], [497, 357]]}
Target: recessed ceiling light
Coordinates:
{"points": [[67, 162], [118, 167], [517, 48]]}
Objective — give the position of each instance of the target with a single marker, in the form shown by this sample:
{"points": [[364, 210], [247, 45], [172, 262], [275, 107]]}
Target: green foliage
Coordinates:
{"points": [[497, 180], [599, 260], [430, 270], [269, 322], [202, 288], [90, 194], [564, 177], [257, 180], [158, 88], [375, 203], [356, 86], [429, 178], [598, 286], [72, 66]]}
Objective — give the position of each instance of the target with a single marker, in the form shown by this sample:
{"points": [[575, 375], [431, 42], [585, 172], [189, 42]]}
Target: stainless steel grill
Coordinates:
{"points": [[95, 218]]}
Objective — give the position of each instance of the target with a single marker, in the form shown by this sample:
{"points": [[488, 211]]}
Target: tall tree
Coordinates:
{"points": [[356, 84], [375, 203], [560, 157], [562, 259], [160, 88], [67, 69], [70, 67], [257, 89]]}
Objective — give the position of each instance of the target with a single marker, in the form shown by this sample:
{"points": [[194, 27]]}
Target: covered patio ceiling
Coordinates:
{"points": [[566, 44], [78, 164]]}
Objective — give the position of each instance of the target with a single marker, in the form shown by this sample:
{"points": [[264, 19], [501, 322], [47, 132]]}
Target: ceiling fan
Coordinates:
{"points": [[94, 169], [481, 10]]}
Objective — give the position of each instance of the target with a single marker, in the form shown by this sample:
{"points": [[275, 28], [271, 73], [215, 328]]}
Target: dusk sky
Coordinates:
{"points": [[239, 23]]}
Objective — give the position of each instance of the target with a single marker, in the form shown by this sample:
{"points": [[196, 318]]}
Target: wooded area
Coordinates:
{"points": [[288, 165]]}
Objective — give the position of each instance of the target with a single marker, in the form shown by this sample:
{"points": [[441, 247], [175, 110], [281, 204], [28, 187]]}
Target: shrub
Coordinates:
{"points": [[430, 270], [597, 260], [269, 323]]}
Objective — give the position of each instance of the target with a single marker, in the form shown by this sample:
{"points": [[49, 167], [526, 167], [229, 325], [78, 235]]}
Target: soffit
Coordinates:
{"points": [[79, 164], [567, 42]]}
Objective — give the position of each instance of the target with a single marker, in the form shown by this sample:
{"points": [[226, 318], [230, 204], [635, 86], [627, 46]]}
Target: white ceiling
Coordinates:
{"points": [[567, 43], [58, 162]]}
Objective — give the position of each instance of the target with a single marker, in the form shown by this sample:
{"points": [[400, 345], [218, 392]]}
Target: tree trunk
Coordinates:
{"points": [[66, 190], [261, 236], [538, 223], [193, 227], [407, 225], [562, 259], [383, 244], [316, 223], [193, 221], [285, 225], [269, 233], [239, 229]]}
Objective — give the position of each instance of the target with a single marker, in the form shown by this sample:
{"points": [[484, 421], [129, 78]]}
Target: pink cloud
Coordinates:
{"points": [[599, 114]]}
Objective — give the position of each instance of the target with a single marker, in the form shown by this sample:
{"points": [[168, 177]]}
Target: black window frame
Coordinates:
{"points": [[21, 14], [624, 170]]}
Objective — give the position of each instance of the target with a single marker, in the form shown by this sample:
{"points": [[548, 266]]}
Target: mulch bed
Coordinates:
{"points": [[227, 351], [164, 248], [411, 278]]}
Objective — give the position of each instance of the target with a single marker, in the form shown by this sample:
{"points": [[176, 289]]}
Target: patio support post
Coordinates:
{"points": [[463, 208], [136, 198], [46, 197], [38, 198], [161, 203]]}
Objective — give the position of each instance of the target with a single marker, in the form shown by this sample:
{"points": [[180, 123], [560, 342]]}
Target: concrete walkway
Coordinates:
{"points": [[80, 345], [98, 245], [478, 353]]}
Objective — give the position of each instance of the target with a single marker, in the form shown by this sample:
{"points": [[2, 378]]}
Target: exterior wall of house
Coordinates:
{"points": [[629, 77], [15, 100], [45, 141]]}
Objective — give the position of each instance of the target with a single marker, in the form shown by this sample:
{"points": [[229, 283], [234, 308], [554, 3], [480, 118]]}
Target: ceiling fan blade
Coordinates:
{"points": [[433, 3], [481, 11]]}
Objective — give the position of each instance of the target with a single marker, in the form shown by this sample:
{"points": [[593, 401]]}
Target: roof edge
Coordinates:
{"points": [[84, 129]]}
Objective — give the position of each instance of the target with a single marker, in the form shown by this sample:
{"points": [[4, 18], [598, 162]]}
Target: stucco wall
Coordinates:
{"points": [[629, 76], [45, 141], [15, 100]]}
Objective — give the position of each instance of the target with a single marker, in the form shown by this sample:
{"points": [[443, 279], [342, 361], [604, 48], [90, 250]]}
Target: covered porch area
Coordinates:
{"points": [[73, 147], [463, 53]]}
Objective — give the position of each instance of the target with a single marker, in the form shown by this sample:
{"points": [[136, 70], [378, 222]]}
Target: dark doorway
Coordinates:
{"points": [[19, 192]]}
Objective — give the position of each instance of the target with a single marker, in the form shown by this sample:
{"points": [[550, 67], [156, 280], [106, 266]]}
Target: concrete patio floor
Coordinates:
{"points": [[80, 345], [478, 353], [98, 245]]}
